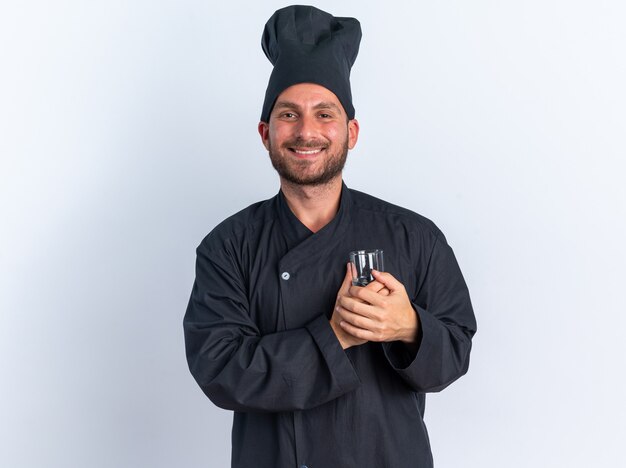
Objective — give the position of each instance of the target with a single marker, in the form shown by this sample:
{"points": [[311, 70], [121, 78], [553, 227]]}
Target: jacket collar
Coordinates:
{"points": [[297, 233]]}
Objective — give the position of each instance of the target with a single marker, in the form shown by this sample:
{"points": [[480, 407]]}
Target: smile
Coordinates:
{"points": [[306, 152]]}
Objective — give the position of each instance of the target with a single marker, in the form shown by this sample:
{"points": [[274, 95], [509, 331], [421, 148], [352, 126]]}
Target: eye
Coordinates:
{"points": [[325, 115], [288, 115]]}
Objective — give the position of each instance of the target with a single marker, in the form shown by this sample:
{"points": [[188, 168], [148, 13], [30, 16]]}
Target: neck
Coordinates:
{"points": [[314, 206]]}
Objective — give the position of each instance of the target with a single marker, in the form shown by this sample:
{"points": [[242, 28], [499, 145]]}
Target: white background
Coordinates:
{"points": [[128, 130]]}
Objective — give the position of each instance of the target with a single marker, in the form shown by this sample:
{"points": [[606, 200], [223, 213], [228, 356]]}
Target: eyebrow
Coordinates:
{"points": [[320, 105]]}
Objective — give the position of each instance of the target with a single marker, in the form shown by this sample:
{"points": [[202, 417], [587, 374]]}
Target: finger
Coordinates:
{"points": [[371, 297], [347, 281], [375, 286], [356, 320], [356, 332], [388, 280], [356, 306], [352, 270]]}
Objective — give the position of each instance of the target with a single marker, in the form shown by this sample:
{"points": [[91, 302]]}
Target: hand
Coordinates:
{"points": [[367, 315]]}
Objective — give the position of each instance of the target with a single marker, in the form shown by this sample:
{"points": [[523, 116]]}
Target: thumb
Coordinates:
{"points": [[347, 281]]}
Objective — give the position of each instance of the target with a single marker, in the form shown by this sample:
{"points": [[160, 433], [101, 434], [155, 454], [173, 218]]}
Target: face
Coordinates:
{"points": [[308, 135]]}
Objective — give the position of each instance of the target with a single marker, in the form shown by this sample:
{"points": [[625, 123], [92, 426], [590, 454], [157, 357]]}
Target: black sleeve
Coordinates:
{"points": [[446, 326], [240, 369]]}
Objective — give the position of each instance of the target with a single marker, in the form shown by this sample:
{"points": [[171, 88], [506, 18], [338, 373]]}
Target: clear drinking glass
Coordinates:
{"points": [[362, 262]]}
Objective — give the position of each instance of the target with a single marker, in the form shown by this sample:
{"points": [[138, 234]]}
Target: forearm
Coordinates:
{"points": [[290, 370], [439, 356]]}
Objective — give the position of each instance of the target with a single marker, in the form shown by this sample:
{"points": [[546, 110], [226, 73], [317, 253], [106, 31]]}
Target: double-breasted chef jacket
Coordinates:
{"points": [[259, 342]]}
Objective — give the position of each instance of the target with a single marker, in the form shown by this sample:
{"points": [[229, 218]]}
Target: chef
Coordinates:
{"points": [[320, 373]]}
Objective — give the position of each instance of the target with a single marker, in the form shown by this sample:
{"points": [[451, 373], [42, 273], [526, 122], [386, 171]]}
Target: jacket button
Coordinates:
{"points": [[286, 276]]}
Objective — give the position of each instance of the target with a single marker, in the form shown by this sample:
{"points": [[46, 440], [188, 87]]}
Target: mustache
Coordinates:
{"points": [[301, 143]]}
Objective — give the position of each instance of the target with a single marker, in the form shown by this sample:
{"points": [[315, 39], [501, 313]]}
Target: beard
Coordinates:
{"points": [[296, 171]]}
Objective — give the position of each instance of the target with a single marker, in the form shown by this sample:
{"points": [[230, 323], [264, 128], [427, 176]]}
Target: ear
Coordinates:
{"points": [[353, 132], [264, 131]]}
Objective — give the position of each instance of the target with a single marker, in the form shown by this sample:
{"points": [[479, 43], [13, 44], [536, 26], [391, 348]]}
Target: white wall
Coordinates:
{"points": [[128, 130]]}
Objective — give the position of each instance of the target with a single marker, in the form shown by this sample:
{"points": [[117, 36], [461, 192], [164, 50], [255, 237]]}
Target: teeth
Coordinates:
{"points": [[308, 152]]}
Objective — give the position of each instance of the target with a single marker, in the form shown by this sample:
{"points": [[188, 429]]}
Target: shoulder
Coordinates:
{"points": [[241, 225], [415, 222]]}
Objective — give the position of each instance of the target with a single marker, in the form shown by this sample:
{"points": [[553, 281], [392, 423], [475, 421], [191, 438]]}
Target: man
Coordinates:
{"points": [[320, 373]]}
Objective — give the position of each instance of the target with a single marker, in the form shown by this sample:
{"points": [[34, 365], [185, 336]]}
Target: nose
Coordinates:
{"points": [[307, 127]]}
